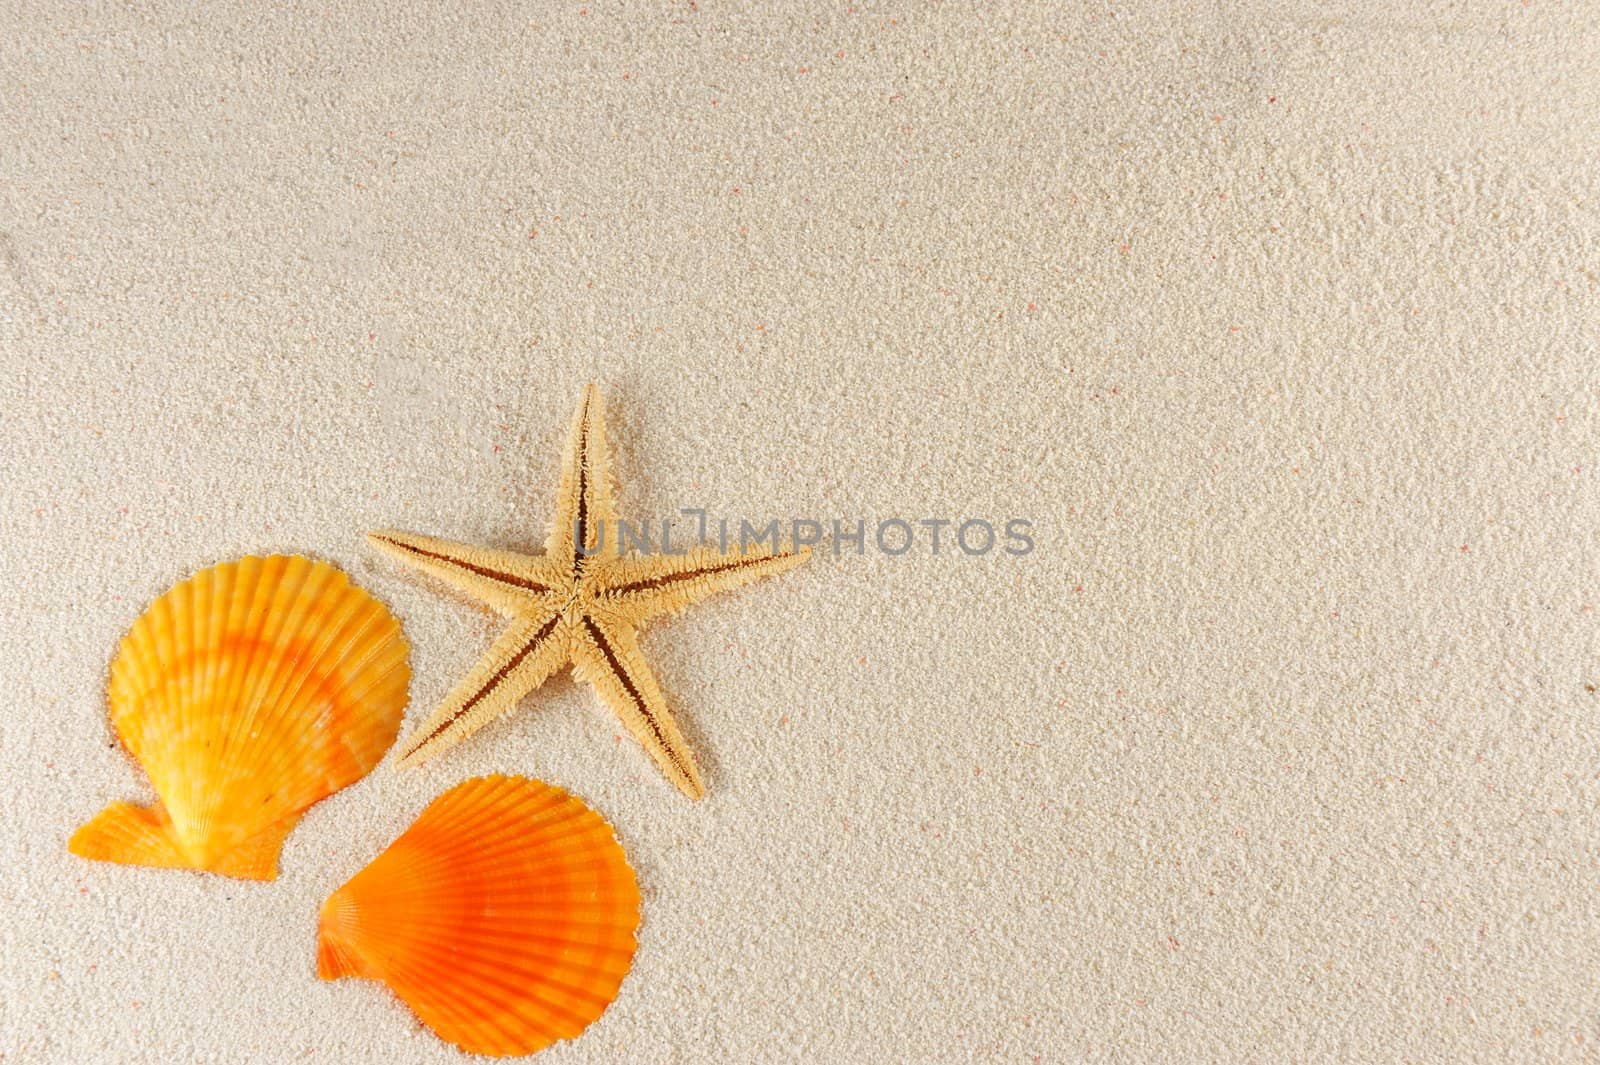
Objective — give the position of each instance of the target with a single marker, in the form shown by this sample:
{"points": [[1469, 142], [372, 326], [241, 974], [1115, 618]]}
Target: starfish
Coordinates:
{"points": [[581, 604]]}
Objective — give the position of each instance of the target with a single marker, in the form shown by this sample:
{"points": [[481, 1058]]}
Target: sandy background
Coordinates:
{"points": [[1279, 321]]}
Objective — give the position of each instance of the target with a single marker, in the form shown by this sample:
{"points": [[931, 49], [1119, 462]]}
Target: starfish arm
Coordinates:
{"points": [[505, 580], [584, 513], [519, 661], [607, 655], [643, 587]]}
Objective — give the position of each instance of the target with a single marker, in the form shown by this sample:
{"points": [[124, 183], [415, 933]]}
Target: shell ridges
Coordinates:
{"points": [[505, 917], [247, 692]]}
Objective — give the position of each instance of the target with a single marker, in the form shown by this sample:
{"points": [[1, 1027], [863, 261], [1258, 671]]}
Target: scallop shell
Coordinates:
{"points": [[248, 692], [504, 917]]}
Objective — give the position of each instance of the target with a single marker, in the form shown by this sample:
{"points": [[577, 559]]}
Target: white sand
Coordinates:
{"points": [[1278, 320]]}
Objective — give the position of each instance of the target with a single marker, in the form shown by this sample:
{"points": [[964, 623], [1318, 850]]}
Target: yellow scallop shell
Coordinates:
{"points": [[504, 917], [248, 692]]}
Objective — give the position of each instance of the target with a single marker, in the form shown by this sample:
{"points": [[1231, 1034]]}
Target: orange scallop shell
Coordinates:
{"points": [[248, 692], [504, 917]]}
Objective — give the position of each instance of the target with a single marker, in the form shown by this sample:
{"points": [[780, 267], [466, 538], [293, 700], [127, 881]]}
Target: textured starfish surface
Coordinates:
{"points": [[581, 604]]}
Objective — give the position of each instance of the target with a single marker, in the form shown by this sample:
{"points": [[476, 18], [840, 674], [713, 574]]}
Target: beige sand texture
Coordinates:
{"points": [[1278, 321]]}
